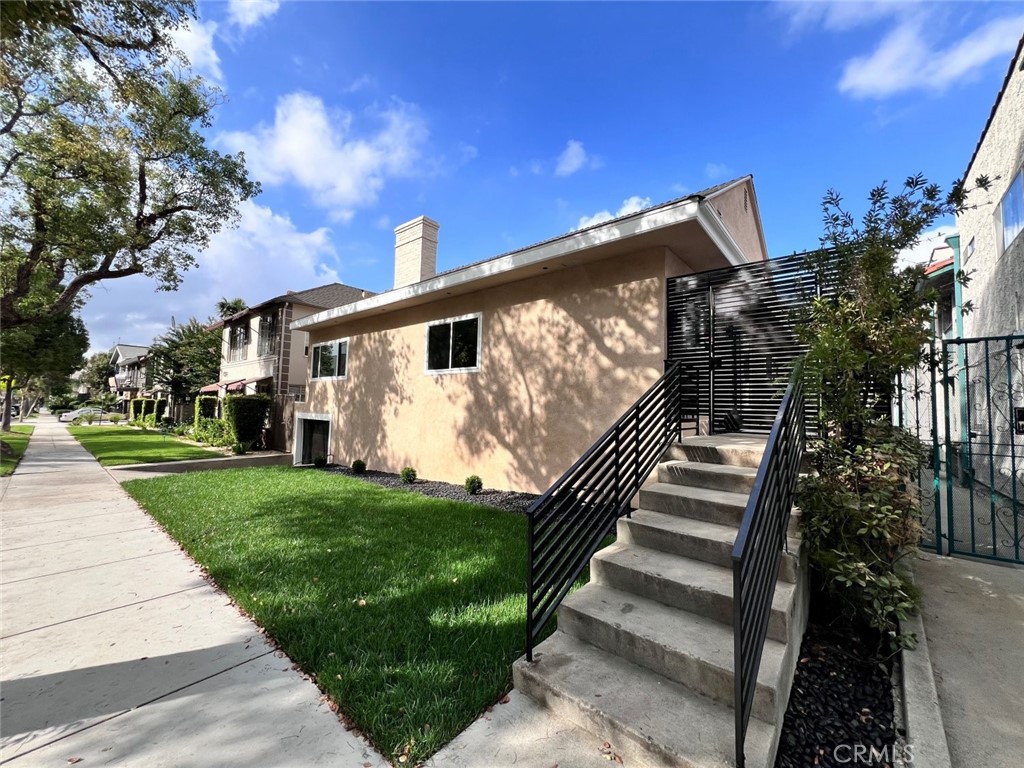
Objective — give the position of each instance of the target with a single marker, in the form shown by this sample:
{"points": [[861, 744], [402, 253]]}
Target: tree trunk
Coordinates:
{"points": [[6, 426]]}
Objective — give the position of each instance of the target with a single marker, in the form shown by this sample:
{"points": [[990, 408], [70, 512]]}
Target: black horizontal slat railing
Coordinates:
{"points": [[567, 524], [759, 546]]}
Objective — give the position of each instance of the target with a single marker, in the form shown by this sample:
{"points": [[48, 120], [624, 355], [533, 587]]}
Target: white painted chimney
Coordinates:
{"points": [[415, 251]]}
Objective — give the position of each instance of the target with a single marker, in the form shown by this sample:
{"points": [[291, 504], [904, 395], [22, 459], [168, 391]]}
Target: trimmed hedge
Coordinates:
{"points": [[246, 415], [205, 408]]}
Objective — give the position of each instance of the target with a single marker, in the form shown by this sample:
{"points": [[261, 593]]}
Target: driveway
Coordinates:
{"points": [[118, 651]]}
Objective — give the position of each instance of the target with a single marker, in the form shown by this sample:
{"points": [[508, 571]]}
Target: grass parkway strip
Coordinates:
{"points": [[117, 446], [408, 611], [17, 439]]}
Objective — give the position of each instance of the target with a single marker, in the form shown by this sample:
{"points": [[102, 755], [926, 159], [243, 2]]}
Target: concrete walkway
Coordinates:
{"points": [[974, 619], [116, 650]]}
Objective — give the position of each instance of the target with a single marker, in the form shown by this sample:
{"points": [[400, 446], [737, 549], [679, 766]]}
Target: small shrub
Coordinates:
{"points": [[359, 467], [90, 418], [77, 421], [167, 422], [149, 420], [205, 408], [473, 485], [115, 418], [408, 475], [182, 430], [320, 462], [213, 432], [240, 448]]}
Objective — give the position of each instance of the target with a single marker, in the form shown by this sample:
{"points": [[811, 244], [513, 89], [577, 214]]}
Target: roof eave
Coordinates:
{"points": [[671, 214]]}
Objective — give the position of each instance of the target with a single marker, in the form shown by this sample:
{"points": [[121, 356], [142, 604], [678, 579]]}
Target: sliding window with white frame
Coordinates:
{"points": [[330, 360]]}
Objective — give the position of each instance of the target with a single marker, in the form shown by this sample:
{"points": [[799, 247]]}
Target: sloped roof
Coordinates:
{"points": [[125, 351], [708, 192], [321, 297]]}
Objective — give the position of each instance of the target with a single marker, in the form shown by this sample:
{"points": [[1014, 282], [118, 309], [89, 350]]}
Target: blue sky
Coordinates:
{"points": [[509, 123]]}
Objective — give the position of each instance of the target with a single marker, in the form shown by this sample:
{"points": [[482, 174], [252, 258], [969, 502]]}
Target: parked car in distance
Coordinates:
{"points": [[72, 415]]}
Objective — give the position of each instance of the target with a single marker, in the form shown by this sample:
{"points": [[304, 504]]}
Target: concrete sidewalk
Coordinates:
{"points": [[973, 615], [116, 650]]}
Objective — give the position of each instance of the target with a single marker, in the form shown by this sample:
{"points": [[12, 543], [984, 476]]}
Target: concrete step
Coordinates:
{"points": [[680, 582], [695, 539], [692, 650], [722, 477], [650, 720], [736, 450], [711, 506]]}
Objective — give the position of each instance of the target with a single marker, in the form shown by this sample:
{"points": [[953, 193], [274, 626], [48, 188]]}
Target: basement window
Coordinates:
{"points": [[330, 360], [453, 345]]}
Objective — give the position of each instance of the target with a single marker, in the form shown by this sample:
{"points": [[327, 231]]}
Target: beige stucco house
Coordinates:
{"points": [[260, 353], [509, 368], [991, 229]]}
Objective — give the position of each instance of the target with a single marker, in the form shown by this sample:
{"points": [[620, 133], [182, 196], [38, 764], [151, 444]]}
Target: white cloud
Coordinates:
{"points": [[536, 168], [468, 152], [680, 189], [629, 205], [572, 159], [323, 152], [195, 39], [922, 252], [841, 15], [263, 257], [248, 13], [361, 83], [716, 171]]}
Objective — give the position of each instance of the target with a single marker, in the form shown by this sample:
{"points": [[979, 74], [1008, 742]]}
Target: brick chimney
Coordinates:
{"points": [[415, 251]]}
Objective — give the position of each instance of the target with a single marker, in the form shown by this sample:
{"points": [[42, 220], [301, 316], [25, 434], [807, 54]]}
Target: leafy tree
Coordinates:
{"points": [[96, 373], [187, 357], [227, 307], [859, 516], [53, 346], [106, 170]]}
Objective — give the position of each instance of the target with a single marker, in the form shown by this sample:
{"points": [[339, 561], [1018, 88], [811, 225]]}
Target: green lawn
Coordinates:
{"points": [[116, 446], [407, 610], [17, 438]]}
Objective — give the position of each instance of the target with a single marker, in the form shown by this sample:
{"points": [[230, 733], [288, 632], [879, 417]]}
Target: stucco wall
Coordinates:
{"points": [[563, 355], [738, 209], [997, 282]]}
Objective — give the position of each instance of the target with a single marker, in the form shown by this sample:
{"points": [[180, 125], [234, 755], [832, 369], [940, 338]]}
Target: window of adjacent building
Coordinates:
{"points": [[298, 392], [239, 341], [454, 345], [970, 250], [268, 335], [330, 360], [1009, 214]]}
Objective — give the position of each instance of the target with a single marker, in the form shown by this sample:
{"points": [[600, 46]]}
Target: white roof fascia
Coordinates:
{"points": [[715, 228], [646, 221]]}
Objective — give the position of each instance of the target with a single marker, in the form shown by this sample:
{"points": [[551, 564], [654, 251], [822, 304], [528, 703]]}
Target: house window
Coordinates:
{"points": [[970, 250], [454, 345], [1009, 214], [239, 341], [330, 360], [298, 392], [268, 335]]}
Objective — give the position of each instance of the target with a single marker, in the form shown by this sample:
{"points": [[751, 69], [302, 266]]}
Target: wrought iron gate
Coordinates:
{"points": [[969, 415]]}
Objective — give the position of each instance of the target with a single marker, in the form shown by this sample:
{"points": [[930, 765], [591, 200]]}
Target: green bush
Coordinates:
{"points": [[149, 420], [213, 432], [90, 418], [247, 415], [205, 408], [473, 485], [359, 467], [182, 430], [320, 462], [240, 448], [77, 421], [115, 418], [408, 475], [859, 517]]}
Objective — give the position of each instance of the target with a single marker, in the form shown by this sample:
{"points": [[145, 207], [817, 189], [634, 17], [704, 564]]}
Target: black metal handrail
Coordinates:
{"points": [[570, 520], [759, 546]]}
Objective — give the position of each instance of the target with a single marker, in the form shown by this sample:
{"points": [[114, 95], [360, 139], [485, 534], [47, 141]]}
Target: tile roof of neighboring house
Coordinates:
{"points": [[939, 265], [321, 297], [999, 98], [708, 192]]}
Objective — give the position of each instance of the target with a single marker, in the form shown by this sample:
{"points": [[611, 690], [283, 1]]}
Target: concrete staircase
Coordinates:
{"points": [[643, 655]]}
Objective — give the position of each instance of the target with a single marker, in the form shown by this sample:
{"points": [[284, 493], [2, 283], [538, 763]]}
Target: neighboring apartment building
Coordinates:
{"points": [[260, 354], [511, 367], [131, 378], [991, 239]]}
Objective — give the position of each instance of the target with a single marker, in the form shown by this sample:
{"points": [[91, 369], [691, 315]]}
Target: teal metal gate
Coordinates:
{"points": [[969, 415]]}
